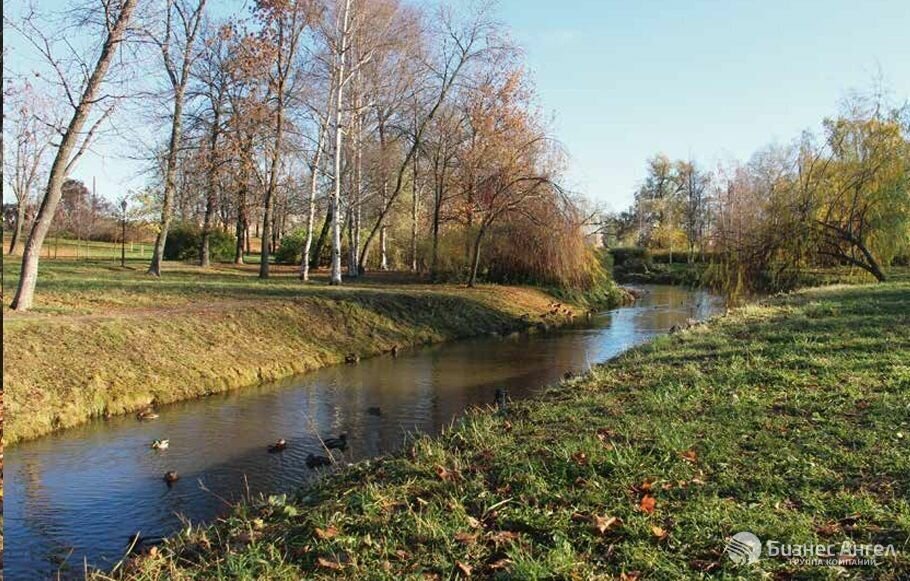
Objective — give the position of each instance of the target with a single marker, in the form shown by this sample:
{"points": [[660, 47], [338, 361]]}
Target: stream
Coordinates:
{"points": [[78, 496]]}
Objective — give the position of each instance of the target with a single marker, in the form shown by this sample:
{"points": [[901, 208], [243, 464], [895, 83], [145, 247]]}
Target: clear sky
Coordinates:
{"points": [[710, 80], [706, 79]]}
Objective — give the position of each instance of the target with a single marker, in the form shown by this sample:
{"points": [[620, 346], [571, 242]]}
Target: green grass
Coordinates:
{"points": [[788, 419], [106, 340]]}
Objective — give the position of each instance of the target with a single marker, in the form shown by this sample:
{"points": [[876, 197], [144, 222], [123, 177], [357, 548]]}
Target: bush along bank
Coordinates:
{"points": [[785, 419]]}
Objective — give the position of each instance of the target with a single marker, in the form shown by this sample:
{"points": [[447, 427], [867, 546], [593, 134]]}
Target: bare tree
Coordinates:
{"points": [[30, 139], [73, 141], [176, 44]]}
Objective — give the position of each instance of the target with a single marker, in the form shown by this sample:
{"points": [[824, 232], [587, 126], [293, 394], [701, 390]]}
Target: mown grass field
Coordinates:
{"points": [[789, 419], [107, 340]]}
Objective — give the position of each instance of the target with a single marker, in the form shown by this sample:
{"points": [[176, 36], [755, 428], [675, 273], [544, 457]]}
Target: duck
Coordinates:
{"points": [[352, 358], [339, 443], [374, 411], [147, 414], [314, 461], [161, 444], [171, 476], [278, 446]]}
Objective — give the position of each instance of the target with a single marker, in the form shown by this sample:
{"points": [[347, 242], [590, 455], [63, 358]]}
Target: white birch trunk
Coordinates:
{"points": [[336, 198]]}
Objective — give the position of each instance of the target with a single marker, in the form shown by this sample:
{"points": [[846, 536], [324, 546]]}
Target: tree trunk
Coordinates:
{"points": [[241, 226], [336, 199], [170, 185], [311, 204], [25, 292], [871, 265], [270, 189], [475, 261], [17, 232], [414, 210], [321, 241], [204, 258], [354, 226]]}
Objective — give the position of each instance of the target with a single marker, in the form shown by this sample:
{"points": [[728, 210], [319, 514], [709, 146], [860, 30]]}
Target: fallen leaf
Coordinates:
{"points": [[466, 538], [630, 576], [604, 434], [647, 504], [500, 537], [646, 486], [402, 554], [445, 474], [500, 564], [328, 564], [327, 533], [829, 529], [473, 522], [690, 456], [463, 568], [604, 523], [580, 458], [658, 532]]}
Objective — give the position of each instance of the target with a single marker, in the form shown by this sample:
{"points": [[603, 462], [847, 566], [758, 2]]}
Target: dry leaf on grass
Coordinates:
{"points": [[328, 564], [658, 533], [501, 537], [647, 504], [466, 538], [602, 524], [500, 564], [463, 568], [326, 533], [445, 474]]}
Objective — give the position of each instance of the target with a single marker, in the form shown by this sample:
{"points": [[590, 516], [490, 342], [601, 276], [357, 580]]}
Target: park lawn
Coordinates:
{"points": [[787, 418], [104, 340]]}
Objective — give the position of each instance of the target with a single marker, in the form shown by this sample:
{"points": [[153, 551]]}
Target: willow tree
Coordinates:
{"points": [[861, 194], [82, 95]]}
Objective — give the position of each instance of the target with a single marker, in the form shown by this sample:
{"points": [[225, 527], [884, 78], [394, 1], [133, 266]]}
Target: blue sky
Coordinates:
{"points": [[708, 80]]}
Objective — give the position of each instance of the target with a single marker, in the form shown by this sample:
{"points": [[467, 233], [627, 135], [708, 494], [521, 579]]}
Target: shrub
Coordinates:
{"points": [[631, 259], [290, 250], [184, 240]]}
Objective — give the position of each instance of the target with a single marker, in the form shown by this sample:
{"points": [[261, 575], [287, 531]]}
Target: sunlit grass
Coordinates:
{"points": [[104, 340], [787, 419]]}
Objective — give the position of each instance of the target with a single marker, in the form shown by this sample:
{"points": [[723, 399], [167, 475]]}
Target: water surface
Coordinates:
{"points": [[80, 494]]}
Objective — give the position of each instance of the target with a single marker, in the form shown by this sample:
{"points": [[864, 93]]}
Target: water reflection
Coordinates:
{"points": [[83, 493]]}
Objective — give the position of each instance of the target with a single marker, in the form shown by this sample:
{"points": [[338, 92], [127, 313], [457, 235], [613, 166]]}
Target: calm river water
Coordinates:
{"points": [[79, 495]]}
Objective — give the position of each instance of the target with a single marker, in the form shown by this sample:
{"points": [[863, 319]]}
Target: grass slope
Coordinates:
{"points": [[787, 419], [106, 341]]}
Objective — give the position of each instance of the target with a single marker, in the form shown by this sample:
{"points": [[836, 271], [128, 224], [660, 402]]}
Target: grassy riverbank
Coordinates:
{"points": [[104, 340], [786, 419]]}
